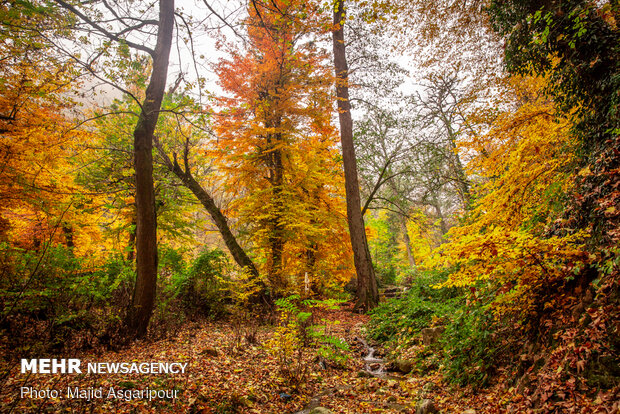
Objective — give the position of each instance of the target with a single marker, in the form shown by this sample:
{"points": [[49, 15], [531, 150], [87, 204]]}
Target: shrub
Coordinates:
{"points": [[400, 320], [297, 336], [201, 288], [48, 296], [471, 347]]}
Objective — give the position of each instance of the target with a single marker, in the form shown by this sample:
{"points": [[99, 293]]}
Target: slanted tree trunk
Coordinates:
{"points": [[367, 295], [221, 222], [186, 177], [146, 219]]}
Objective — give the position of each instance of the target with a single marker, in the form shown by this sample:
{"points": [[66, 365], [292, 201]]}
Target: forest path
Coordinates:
{"points": [[227, 374]]}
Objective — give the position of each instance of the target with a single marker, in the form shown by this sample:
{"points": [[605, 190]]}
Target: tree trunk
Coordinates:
{"points": [[407, 240], [367, 295], [276, 236], [146, 219], [457, 165], [442, 221], [237, 252]]}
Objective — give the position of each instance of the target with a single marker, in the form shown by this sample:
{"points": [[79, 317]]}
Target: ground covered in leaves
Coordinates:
{"points": [[231, 371]]}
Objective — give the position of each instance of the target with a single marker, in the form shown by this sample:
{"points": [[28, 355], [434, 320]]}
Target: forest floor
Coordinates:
{"points": [[229, 374]]}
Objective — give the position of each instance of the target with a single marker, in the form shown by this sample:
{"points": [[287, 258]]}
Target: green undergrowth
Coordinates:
{"points": [[399, 321], [467, 348]]}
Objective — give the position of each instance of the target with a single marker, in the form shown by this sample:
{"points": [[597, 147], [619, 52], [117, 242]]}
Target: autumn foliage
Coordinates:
{"points": [[487, 137], [277, 148]]}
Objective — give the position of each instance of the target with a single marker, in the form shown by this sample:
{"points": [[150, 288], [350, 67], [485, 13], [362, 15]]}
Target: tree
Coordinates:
{"points": [[146, 218], [105, 167], [186, 176], [276, 144], [140, 311], [367, 294], [576, 45], [525, 160], [444, 110], [40, 199]]}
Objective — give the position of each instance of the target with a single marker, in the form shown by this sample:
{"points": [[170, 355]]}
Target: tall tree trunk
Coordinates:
{"points": [[68, 232], [457, 165], [442, 221], [146, 219], [367, 295], [276, 238]]}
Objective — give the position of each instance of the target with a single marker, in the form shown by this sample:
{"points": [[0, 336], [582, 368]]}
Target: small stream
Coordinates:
{"points": [[375, 366]]}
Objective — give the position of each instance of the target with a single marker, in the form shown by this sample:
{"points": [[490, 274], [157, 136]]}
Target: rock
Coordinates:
{"points": [[426, 407], [320, 410], [403, 365], [212, 352], [431, 335]]}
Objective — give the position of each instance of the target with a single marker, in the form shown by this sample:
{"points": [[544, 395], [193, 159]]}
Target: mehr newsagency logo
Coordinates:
{"points": [[74, 366]]}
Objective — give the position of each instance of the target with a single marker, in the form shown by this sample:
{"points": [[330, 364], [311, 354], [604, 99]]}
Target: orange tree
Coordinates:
{"points": [[277, 146], [38, 197]]}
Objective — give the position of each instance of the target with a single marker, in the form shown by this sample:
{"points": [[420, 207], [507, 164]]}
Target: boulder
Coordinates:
{"points": [[403, 365], [426, 406], [431, 335]]}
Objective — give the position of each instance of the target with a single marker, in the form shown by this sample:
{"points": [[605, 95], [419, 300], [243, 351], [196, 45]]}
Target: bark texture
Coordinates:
{"points": [[146, 220], [367, 295]]}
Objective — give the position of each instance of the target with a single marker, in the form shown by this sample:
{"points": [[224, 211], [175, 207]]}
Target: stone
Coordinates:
{"points": [[212, 352], [403, 365], [431, 335], [426, 406]]}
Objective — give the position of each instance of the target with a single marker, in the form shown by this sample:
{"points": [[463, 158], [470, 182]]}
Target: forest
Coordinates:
{"points": [[310, 206]]}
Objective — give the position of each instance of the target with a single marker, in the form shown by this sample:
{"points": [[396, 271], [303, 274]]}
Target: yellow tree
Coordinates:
{"points": [[508, 238], [39, 202]]}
